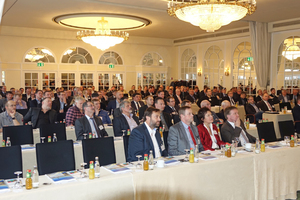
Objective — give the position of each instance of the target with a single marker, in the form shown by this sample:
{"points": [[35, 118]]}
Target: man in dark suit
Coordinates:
{"points": [[3, 91], [225, 104], [60, 105], [38, 99], [237, 95], [136, 103], [259, 96], [165, 120], [296, 115], [113, 104], [243, 100], [213, 100], [264, 104], [40, 116], [183, 135], [149, 102], [229, 98], [177, 97], [190, 96], [222, 94], [127, 120], [251, 108], [8, 96], [146, 137], [171, 107], [294, 95], [273, 98], [27, 94], [284, 97], [89, 124], [234, 127]]}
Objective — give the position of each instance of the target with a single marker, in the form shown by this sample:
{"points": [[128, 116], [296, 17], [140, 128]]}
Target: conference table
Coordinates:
{"points": [[275, 118], [247, 176]]}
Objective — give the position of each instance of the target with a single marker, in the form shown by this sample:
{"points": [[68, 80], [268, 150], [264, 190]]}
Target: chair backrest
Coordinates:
{"points": [[55, 156], [287, 104], [286, 128], [11, 161], [48, 130], [22, 111], [266, 131], [125, 143], [18, 134], [104, 148]]}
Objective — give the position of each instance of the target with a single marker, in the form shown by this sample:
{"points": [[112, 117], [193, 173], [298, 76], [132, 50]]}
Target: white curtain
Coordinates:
{"points": [[261, 48]]}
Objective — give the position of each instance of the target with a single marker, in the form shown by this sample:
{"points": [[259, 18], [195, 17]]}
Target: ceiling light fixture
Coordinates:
{"points": [[292, 52], [211, 15], [102, 38]]}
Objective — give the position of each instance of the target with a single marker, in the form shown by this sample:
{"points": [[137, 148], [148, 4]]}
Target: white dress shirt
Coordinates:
{"points": [[243, 139], [213, 138], [152, 133]]}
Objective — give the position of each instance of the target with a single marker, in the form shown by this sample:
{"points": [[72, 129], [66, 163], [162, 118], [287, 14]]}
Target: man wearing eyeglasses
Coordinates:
{"points": [[10, 117]]}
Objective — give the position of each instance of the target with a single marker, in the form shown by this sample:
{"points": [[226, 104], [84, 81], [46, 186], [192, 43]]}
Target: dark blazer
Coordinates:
{"points": [[82, 125], [242, 102], [120, 123], [236, 97], [142, 111], [140, 143], [24, 97], [221, 95], [206, 139], [169, 110], [296, 115], [33, 116], [228, 133], [274, 100], [280, 97], [111, 105], [221, 115], [264, 107], [292, 99], [213, 101], [177, 100], [250, 109], [34, 104], [56, 106], [190, 98], [134, 108], [168, 120], [258, 99], [3, 94]]}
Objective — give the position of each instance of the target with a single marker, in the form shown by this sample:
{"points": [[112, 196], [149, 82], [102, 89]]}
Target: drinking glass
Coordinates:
{"points": [[287, 140], [83, 174], [84, 136], [237, 140], [186, 159], [123, 132], [139, 165], [18, 184], [223, 150], [43, 139]]}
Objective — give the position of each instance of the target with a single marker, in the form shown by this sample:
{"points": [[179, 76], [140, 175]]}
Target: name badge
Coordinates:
{"points": [[215, 132], [101, 127]]}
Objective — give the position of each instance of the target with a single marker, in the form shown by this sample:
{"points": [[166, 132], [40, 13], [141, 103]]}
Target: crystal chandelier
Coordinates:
{"points": [[210, 15], [291, 52], [102, 38]]}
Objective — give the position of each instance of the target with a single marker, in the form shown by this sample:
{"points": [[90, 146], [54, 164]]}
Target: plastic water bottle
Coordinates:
{"points": [[35, 178], [97, 167], [54, 137], [8, 143], [296, 139]]}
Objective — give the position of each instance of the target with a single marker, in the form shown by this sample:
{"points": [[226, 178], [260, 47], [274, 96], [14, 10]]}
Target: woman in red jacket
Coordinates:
{"points": [[208, 132]]}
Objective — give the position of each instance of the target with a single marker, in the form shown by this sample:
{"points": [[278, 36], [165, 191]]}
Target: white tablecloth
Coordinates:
{"points": [[275, 118]]}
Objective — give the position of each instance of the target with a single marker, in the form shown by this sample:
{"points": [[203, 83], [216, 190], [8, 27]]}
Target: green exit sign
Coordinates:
{"points": [[40, 64], [111, 66], [249, 58]]}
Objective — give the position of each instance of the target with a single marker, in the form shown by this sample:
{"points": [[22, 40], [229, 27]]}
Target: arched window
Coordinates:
{"points": [[111, 57], [152, 59], [39, 55], [77, 54], [189, 67], [288, 67], [243, 68], [213, 66]]}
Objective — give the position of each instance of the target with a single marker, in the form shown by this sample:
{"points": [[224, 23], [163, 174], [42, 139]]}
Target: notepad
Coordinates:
{"points": [[27, 147], [171, 162], [3, 187], [208, 158], [60, 177], [117, 168]]}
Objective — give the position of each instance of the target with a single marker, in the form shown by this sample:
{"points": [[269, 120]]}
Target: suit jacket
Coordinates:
{"points": [[190, 98], [3, 94], [169, 110], [221, 115], [82, 125], [24, 97], [258, 99], [236, 97], [292, 99], [111, 105], [142, 111], [140, 143], [178, 140], [274, 100], [56, 106], [242, 102], [2, 103], [221, 95], [264, 107], [206, 139], [228, 133], [296, 115], [281, 98], [34, 104], [213, 101], [250, 109], [120, 123], [133, 106], [33, 116], [177, 102]]}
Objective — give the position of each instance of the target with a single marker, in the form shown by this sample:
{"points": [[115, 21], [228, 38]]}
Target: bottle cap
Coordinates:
{"points": [[91, 162], [145, 155], [49, 136], [28, 170]]}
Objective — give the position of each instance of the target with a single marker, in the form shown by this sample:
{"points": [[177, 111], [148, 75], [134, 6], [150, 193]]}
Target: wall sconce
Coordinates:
{"points": [[226, 72], [199, 72]]}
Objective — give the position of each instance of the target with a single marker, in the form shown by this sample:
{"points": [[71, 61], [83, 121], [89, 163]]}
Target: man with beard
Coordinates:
{"points": [[43, 115], [146, 137], [126, 120]]}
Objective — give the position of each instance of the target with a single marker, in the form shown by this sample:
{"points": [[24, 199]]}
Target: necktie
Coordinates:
{"points": [[192, 135], [232, 101], [269, 106], [96, 128], [244, 135]]}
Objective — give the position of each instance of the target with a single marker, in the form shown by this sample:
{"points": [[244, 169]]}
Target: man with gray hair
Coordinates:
{"points": [[10, 117], [225, 104], [207, 104], [126, 121]]}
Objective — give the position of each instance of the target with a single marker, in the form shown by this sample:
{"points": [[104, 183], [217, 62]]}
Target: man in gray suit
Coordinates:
{"points": [[183, 135]]}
